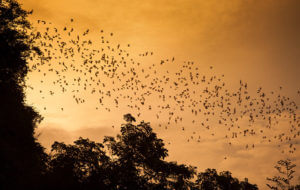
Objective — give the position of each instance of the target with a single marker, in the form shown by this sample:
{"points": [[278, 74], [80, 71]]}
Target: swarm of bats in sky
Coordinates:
{"points": [[110, 71]]}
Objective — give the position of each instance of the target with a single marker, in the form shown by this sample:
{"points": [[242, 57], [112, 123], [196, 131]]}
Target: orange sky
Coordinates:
{"points": [[256, 41]]}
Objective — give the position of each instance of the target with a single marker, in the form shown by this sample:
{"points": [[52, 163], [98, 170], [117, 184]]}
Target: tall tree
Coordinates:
{"points": [[139, 155], [21, 157]]}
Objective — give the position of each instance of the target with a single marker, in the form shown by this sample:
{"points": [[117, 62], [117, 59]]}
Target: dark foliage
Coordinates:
{"points": [[136, 161], [21, 158], [211, 180]]}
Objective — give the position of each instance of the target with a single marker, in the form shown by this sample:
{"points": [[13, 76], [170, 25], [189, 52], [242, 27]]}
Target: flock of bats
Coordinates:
{"points": [[110, 72]]}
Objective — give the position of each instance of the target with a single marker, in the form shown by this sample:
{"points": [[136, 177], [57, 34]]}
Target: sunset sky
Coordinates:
{"points": [[254, 41]]}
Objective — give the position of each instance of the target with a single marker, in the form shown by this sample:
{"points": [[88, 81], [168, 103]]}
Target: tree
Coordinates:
{"points": [[283, 181], [246, 185], [211, 180], [83, 165], [136, 161], [21, 157], [139, 155]]}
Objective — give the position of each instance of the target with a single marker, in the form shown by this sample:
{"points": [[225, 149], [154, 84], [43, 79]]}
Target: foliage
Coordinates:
{"points": [[139, 150], [211, 180], [79, 165], [136, 161], [22, 158]]}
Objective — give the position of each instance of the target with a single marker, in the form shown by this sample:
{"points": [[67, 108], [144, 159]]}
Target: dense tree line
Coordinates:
{"points": [[134, 159]]}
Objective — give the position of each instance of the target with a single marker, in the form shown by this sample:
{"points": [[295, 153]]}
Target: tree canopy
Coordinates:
{"points": [[211, 180], [134, 159], [17, 120]]}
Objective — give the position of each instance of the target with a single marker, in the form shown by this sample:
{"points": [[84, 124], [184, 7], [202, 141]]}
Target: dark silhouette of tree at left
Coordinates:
{"points": [[21, 157]]}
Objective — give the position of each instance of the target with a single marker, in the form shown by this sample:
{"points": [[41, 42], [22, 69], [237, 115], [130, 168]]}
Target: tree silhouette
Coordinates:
{"points": [[140, 155], [22, 158], [79, 166], [283, 181], [211, 180], [136, 161], [133, 159]]}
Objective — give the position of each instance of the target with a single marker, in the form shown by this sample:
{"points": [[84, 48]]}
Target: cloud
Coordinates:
{"points": [[94, 133], [50, 133]]}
